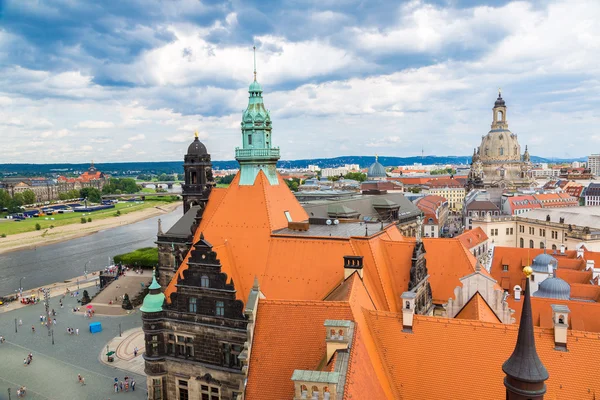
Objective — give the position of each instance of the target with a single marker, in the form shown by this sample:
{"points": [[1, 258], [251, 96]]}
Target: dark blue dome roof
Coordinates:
{"points": [[540, 263], [196, 148], [376, 170], [554, 288]]}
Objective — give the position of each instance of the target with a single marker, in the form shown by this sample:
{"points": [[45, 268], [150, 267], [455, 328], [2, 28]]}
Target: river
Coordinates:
{"points": [[65, 260]]}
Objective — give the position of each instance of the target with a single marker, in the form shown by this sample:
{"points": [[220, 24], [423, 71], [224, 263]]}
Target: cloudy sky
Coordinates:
{"points": [[132, 80]]}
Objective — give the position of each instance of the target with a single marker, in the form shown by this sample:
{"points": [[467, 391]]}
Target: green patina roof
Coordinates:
{"points": [[154, 300]]}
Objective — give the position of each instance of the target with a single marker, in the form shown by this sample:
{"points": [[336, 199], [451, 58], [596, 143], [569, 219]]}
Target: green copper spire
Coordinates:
{"points": [[257, 152], [154, 300]]}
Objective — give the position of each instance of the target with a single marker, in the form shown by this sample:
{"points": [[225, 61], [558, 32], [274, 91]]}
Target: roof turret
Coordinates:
{"points": [[499, 101], [525, 373], [155, 299]]}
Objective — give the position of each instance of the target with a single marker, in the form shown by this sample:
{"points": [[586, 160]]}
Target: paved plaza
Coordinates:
{"points": [[53, 371]]}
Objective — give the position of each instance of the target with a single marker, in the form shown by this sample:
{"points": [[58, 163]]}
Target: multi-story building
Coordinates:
{"points": [[435, 213], [591, 195], [550, 228], [593, 164], [479, 209], [450, 189]]}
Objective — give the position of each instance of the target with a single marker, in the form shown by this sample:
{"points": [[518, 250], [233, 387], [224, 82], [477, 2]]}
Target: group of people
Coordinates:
{"points": [[21, 391], [27, 360], [81, 379], [124, 385], [71, 331]]}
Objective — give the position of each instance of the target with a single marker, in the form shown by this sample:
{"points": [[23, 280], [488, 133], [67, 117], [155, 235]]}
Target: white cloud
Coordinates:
{"points": [[95, 124], [137, 137], [87, 148], [61, 133]]}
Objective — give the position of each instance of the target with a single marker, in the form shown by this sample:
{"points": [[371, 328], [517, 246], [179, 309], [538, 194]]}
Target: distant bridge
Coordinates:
{"points": [[159, 184], [142, 196]]}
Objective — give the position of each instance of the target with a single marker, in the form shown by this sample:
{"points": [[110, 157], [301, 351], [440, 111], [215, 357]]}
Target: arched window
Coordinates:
{"points": [[303, 391], [521, 243], [541, 245], [500, 113], [194, 178], [501, 150], [531, 244], [315, 392], [408, 305], [341, 334], [250, 139], [553, 247], [561, 319], [204, 282]]}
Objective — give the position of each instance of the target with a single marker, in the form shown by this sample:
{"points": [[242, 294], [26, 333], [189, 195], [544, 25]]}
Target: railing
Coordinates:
{"points": [[256, 153]]}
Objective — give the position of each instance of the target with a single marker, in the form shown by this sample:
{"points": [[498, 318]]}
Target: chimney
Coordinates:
{"points": [[562, 249], [560, 315], [408, 310], [338, 335], [352, 264], [517, 292]]}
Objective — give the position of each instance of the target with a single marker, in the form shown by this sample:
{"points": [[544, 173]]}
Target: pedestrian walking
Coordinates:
{"points": [[79, 378], [1, 339], [32, 329], [20, 322], [77, 331], [54, 321], [133, 386], [41, 318], [121, 386], [135, 351], [116, 386]]}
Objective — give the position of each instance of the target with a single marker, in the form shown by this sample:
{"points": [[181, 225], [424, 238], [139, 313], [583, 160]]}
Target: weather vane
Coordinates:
{"points": [[254, 48]]}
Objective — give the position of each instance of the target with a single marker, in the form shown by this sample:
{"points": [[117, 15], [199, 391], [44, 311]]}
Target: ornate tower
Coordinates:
{"points": [[198, 176], [499, 121], [525, 373], [257, 152]]}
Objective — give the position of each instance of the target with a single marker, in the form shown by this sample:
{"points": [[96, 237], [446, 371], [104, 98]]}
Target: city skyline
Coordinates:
{"points": [[132, 83]]}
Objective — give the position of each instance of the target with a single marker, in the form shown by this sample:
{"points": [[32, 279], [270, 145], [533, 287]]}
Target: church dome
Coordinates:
{"points": [[541, 262], [197, 148], [554, 288], [376, 170]]}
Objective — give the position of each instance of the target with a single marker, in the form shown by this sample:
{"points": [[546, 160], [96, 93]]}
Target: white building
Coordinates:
{"points": [[594, 164], [314, 168]]}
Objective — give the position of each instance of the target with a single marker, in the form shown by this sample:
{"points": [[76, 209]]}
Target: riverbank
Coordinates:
{"points": [[30, 240]]}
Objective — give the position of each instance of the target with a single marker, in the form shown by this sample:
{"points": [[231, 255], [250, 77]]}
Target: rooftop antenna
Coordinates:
{"points": [[422, 153], [254, 48]]}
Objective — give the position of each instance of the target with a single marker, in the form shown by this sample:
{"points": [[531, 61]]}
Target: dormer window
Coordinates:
{"points": [[192, 304], [505, 268], [204, 282]]}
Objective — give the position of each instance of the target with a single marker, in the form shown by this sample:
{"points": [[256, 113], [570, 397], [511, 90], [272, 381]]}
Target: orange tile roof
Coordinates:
{"points": [[478, 309], [472, 237], [288, 335], [422, 366]]}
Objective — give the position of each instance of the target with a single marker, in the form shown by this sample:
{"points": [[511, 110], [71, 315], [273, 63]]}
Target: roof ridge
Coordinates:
{"points": [[306, 302]]}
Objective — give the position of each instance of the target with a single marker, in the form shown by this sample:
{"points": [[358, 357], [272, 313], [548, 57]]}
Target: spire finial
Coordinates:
{"points": [[254, 48], [376, 157], [196, 134], [499, 92]]}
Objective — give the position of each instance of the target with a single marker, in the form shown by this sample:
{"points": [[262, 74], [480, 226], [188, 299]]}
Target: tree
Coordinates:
{"points": [[293, 183], [18, 200], [357, 176], [226, 180], [92, 194], [5, 200], [29, 197], [38, 227], [180, 177]]}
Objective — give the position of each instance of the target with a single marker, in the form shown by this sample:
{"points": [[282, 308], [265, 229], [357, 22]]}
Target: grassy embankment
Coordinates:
{"points": [[146, 257], [10, 227]]}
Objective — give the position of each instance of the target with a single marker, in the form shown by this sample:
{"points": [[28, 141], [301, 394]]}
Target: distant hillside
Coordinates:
{"points": [[133, 168]]}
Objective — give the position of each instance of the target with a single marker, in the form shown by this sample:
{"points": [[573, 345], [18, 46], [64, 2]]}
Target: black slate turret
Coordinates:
{"points": [[525, 373]]}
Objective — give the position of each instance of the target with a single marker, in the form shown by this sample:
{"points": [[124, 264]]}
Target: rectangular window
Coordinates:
{"points": [[288, 216], [511, 231], [505, 268], [508, 231], [250, 139], [192, 304], [183, 390], [220, 309], [157, 389], [209, 392]]}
